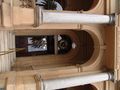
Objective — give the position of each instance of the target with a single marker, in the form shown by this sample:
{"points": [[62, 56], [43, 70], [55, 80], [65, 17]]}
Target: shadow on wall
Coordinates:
{"points": [[84, 87]]}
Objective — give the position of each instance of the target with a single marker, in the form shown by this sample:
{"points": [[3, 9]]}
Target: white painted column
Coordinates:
{"points": [[0, 51], [13, 42], [67, 82], [3, 69], [7, 42], [74, 17], [6, 46]]}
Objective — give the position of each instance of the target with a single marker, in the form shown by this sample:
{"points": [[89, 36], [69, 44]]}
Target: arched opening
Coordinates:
{"points": [[83, 87], [57, 45], [77, 47], [77, 5]]}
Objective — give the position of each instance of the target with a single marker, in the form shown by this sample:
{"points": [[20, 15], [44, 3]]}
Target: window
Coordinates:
{"points": [[43, 45]]}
